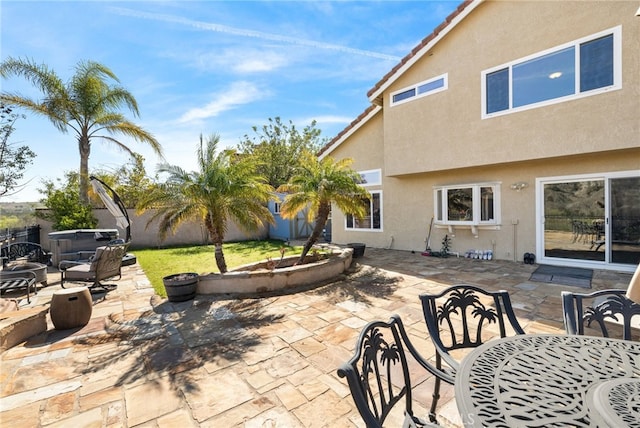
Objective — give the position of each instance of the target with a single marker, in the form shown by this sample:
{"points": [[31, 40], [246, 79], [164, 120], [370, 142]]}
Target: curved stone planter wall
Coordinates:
{"points": [[245, 281]]}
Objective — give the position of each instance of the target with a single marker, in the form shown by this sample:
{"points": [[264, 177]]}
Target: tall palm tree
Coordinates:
{"points": [[224, 188], [315, 185], [87, 104]]}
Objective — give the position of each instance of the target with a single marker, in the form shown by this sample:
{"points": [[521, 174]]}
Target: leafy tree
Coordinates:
{"points": [[224, 188], [65, 209], [13, 160], [315, 185], [130, 181], [277, 148], [87, 104]]}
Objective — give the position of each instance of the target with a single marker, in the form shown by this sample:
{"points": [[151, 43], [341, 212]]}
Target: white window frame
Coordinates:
{"points": [[370, 228], [378, 179], [617, 74], [444, 87], [276, 207], [441, 192]]}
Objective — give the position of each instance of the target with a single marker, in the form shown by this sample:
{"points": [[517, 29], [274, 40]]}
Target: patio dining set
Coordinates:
{"points": [[502, 376]]}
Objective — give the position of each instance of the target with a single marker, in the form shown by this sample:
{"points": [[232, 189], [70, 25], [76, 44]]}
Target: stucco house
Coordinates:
{"points": [[515, 125]]}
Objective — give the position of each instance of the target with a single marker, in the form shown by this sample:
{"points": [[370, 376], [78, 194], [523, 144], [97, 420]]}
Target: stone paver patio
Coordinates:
{"points": [[255, 362]]}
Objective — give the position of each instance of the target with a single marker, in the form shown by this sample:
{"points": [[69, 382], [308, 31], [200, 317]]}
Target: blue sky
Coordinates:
{"points": [[210, 67]]}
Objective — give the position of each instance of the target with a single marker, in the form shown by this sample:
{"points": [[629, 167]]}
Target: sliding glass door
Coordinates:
{"points": [[591, 220], [625, 220]]}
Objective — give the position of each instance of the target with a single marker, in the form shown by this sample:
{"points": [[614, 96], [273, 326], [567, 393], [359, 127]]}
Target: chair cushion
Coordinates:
{"points": [[80, 272], [94, 260]]}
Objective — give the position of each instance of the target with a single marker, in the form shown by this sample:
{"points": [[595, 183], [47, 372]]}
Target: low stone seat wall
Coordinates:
{"points": [[18, 326]]}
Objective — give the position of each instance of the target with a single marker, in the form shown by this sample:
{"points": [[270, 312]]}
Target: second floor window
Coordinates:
{"points": [[584, 67], [422, 89]]}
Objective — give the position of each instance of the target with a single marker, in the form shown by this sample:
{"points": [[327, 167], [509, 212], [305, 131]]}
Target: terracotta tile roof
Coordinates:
{"points": [[394, 70], [422, 44]]}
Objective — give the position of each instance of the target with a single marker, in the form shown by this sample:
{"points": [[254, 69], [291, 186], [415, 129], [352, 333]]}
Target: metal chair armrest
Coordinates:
{"points": [[447, 377], [66, 264]]}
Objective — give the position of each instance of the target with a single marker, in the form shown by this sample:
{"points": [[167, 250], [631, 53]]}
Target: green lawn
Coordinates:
{"points": [[158, 263]]}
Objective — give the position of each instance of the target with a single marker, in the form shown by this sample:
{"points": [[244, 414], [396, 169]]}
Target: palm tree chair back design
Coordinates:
{"points": [[606, 313], [379, 375], [463, 317]]}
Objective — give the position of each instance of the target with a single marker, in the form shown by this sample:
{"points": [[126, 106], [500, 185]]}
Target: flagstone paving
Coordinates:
{"points": [[267, 361]]}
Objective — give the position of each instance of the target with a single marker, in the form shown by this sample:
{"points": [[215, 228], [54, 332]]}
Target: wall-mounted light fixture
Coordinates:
{"points": [[519, 186]]}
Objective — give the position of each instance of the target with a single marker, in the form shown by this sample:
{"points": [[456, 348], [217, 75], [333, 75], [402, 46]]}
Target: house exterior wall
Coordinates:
{"points": [[366, 148], [493, 34], [442, 140], [408, 205]]}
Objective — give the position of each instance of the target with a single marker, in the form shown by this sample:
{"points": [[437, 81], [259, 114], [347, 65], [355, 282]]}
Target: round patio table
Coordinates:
{"points": [[547, 380]]}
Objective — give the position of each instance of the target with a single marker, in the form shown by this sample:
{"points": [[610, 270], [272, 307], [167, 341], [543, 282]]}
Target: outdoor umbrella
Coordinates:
{"points": [[114, 204]]}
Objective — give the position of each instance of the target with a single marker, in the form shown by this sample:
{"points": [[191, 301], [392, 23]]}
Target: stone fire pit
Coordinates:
{"points": [[39, 269]]}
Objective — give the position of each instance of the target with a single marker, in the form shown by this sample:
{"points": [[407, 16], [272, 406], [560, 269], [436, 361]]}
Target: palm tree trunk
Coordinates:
{"points": [[220, 261], [321, 220], [217, 239], [85, 149]]}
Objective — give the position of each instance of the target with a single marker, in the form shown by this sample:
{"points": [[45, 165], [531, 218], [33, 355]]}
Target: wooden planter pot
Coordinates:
{"points": [[358, 249], [181, 287]]}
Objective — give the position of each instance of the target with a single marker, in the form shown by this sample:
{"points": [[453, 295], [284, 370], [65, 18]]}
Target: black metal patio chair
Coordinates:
{"points": [[605, 312], [378, 374], [27, 251], [458, 318]]}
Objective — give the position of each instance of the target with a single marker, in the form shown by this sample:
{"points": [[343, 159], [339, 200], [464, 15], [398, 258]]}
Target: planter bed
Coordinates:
{"points": [[256, 278]]}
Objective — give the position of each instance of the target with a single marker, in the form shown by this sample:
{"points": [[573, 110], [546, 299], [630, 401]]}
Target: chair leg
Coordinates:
{"points": [[62, 279], [436, 392]]}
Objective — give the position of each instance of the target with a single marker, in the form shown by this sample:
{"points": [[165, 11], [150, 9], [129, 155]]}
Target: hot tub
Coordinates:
{"points": [[78, 244]]}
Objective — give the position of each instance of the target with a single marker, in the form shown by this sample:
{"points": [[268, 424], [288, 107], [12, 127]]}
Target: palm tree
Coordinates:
{"points": [[86, 104], [225, 188], [315, 185]]}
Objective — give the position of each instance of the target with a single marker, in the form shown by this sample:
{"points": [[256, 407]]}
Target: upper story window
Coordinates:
{"points": [[371, 177], [472, 204], [584, 67], [276, 207], [372, 220], [422, 89]]}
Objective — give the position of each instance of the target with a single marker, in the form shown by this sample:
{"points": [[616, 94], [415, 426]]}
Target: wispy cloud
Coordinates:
{"points": [[237, 94], [250, 33], [332, 119], [244, 61]]}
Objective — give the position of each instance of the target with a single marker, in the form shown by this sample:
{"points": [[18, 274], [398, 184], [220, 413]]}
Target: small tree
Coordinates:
{"points": [[130, 182], [225, 188], [315, 185], [65, 209], [277, 148], [13, 160]]}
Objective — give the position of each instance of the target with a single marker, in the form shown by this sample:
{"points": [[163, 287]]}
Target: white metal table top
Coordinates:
{"points": [[617, 402], [544, 381]]}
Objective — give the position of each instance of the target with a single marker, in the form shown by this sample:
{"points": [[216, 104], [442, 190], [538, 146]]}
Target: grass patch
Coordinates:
{"points": [[158, 263]]}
